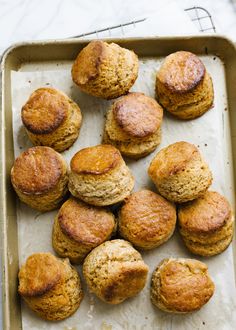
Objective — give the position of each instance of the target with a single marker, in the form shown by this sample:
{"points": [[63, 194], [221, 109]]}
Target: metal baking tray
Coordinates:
{"points": [[52, 53]]}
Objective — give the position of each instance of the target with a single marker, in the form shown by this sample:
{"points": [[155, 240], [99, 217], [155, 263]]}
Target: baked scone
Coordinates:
{"points": [[99, 176], [206, 224], [115, 271], [183, 86], [105, 70], [51, 119], [39, 177], [181, 285], [146, 219], [79, 228], [180, 173], [50, 286], [133, 125]]}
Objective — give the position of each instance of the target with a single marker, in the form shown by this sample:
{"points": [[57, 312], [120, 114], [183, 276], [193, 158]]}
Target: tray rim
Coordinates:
{"points": [[75, 40], [52, 42]]}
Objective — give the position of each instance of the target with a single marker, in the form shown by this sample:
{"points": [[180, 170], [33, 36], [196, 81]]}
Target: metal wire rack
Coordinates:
{"points": [[202, 18], [199, 15]]}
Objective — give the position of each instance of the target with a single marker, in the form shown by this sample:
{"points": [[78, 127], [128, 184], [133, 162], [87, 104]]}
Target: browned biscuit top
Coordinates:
{"points": [[137, 114], [205, 214], [41, 272], [45, 110], [37, 170], [146, 215], [115, 271], [87, 63], [181, 72], [173, 159], [129, 279], [96, 160], [184, 284], [85, 223]]}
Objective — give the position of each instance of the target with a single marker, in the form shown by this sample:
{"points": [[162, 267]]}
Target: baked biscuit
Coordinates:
{"points": [[39, 177], [105, 70], [79, 228], [133, 125], [50, 286], [51, 119], [99, 176], [115, 271], [181, 285], [146, 219], [206, 224], [180, 173], [183, 86]]}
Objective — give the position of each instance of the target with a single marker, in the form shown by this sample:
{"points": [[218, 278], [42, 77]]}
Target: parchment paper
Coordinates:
{"points": [[210, 133]]}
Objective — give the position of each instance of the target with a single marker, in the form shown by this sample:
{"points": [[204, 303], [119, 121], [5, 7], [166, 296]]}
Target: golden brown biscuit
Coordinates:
{"points": [[79, 228], [206, 224], [180, 173], [146, 219], [50, 286], [39, 177], [115, 271], [183, 86], [99, 176], [133, 125], [51, 119], [105, 70], [181, 285]]}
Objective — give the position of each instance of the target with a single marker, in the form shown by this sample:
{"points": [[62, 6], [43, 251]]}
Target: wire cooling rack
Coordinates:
{"points": [[198, 15], [202, 18]]}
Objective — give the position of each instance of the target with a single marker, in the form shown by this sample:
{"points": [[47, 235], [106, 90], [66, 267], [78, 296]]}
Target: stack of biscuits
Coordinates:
{"points": [[183, 86], [86, 231], [206, 224], [133, 125]]}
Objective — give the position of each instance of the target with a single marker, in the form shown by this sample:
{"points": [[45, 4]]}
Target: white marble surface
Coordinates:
{"points": [[42, 19], [22, 20]]}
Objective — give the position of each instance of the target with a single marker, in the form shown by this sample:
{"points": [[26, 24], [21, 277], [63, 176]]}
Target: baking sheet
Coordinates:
{"points": [[210, 133]]}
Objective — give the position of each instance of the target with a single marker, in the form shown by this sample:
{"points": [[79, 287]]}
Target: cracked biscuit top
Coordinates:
{"points": [[138, 115], [105, 70], [205, 214], [173, 159], [147, 217], [96, 160], [85, 223], [181, 72], [41, 272], [87, 64], [45, 110], [37, 170], [181, 285]]}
